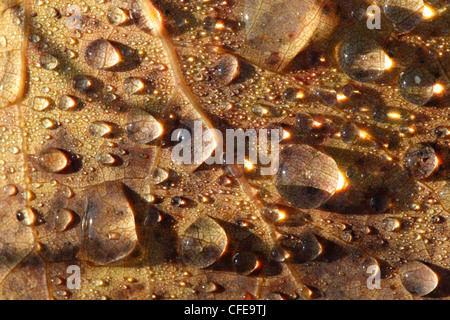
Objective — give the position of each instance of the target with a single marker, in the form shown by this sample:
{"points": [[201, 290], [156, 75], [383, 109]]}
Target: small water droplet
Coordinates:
{"points": [[227, 69], [390, 224], [63, 219], [133, 85], [10, 190], [420, 161], [26, 216], [48, 61], [117, 16], [416, 85], [245, 262], [100, 129], [106, 158], [159, 175], [305, 247], [67, 102]]}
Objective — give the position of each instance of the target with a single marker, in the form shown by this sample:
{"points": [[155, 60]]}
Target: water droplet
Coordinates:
{"points": [[159, 175], [53, 160], [26, 216], [102, 54], [133, 85], [306, 178], [41, 103], [416, 85], [107, 202], [304, 123], [418, 278], [48, 61], [142, 127], [274, 35], [441, 132], [207, 287], [178, 202], [101, 129], [117, 16], [379, 203], [272, 214], [10, 190], [203, 243], [420, 161], [305, 247], [67, 102], [227, 69], [106, 159], [63, 219], [349, 133], [362, 59], [245, 262], [274, 296], [48, 123], [406, 15], [83, 83], [390, 224]]}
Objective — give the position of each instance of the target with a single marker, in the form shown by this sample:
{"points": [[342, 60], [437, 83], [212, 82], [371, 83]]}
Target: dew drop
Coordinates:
{"points": [[406, 15], [306, 177], [26, 216], [117, 16], [418, 278], [83, 83], [108, 224], [245, 262], [53, 160], [379, 203], [305, 247], [416, 85], [152, 219], [67, 102], [100, 129], [142, 127], [102, 54], [48, 61], [10, 190], [362, 59], [41, 103], [420, 161], [207, 287], [349, 133], [48, 123], [390, 224], [227, 69], [203, 243], [159, 175], [133, 85], [106, 159], [63, 219]]}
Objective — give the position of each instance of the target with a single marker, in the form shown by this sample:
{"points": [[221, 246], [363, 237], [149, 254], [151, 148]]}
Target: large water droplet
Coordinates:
{"points": [[306, 177], [274, 35], [142, 127], [108, 224], [420, 161], [416, 85], [362, 59], [53, 160], [418, 278], [203, 243], [406, 15], [102, 54]]}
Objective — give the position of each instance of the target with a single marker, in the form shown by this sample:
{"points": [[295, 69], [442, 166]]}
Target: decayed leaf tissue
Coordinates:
{"points": [[96, 98]]}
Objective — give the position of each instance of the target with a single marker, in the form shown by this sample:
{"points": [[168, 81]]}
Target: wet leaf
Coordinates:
{"points": [[91, 96]]}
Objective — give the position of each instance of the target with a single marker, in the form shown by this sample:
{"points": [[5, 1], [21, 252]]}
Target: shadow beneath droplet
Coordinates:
{"points": [[159, 243], [443, 288]]}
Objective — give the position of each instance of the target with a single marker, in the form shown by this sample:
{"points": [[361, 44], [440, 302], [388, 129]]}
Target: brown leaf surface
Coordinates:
{"points": [[89, 181]]}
